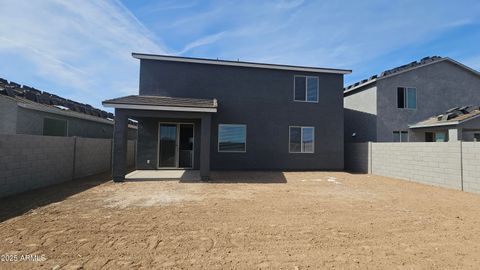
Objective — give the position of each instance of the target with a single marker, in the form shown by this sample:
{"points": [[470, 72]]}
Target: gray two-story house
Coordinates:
{"points": [[396, 105], [230, 115]]}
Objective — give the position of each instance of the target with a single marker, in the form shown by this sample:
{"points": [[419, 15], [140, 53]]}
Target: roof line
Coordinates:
{"points": [[445, 123], [434, 125], [48, 109], [413, 68], [143, 56], [158, 107]]}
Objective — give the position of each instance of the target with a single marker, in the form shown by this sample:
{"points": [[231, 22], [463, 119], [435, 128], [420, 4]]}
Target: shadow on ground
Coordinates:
{"points": [[255, 177], [19, 204]]}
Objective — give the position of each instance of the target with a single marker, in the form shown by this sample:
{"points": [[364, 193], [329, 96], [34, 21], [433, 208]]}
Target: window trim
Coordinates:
{"points": [[405, 102], [58, 119], [218, 138], [301, 139], [306, 88]]}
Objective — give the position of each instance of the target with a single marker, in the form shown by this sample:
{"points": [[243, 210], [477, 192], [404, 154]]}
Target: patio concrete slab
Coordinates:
{"points": [[191, 175]]}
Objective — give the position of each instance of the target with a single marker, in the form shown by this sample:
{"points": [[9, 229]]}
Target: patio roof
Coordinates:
{"points": [[162, 103], [451, 117]]}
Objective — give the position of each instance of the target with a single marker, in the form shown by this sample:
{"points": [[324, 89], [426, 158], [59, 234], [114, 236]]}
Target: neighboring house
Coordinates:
{"points": [[231, 115], [457, 124], [382, 108], [25, 110]]}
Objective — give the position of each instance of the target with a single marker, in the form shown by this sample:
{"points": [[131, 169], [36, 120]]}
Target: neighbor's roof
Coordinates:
{"points": [[162, 103], [405, 68], [30, 98], [453, 116], [237, 63]]}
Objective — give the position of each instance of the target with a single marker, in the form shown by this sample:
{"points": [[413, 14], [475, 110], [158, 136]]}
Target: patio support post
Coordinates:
{"points": [[205, 146], [119, 166]]}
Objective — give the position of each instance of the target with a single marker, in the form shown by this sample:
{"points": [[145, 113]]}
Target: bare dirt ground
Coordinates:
{"points": [[247, 220]]}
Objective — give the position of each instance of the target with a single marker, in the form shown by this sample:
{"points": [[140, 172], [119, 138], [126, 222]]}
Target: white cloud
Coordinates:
{"points": [[82, 48], [201, 42]]}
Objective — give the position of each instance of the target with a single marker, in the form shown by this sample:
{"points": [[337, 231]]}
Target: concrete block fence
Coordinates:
{"points": [[447, 164], [28, 161]]}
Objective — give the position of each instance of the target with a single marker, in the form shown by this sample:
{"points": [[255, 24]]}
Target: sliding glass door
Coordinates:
{"points": [[175, 145], [167, 152]]}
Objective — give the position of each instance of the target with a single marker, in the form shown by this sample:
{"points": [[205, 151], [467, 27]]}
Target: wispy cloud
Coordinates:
{"points": [[348, 34], [201, 42], [81, 48]]}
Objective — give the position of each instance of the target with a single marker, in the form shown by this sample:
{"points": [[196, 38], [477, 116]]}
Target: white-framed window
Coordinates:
{"points": [[301, 139], [232, 138], [407, 97], [305, 88], [400, 136]]}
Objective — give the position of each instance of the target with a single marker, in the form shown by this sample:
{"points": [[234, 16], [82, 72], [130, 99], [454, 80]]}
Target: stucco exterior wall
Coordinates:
{"points": [[440, 86], [8, 116], [262, 99], [147, 149], [361, 115], [31, 122]]}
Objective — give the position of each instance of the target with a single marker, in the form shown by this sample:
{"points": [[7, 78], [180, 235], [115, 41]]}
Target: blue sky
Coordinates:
{"points": [[82, 49]]}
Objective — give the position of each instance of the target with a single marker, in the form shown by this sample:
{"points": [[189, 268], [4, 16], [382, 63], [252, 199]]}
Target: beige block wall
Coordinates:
{"points": [[450, 164], [92, 156], [29, 161], [436, 164], [471, 166]]}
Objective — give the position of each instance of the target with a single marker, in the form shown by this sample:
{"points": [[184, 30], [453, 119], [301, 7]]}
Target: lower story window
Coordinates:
{"points": [[232, 138], [476, 137], [435, 136], [54, 127], [302, 139], [400, 136]]}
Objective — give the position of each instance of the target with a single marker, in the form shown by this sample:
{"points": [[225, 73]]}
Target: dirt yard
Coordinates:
{"points": [[248, 220]]}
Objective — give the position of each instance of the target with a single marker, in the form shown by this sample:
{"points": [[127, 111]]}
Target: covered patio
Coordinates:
{"points": [[161, 120]]}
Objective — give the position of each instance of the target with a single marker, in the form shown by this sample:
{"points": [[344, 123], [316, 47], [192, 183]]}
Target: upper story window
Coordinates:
{"points": [[54, 127], [407, 97], [232, 138], [305, 88]]}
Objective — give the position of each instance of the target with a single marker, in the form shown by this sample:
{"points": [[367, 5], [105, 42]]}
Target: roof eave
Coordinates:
{"points": [[142, 56], [159, 107], [433, 125], [359, 86]]}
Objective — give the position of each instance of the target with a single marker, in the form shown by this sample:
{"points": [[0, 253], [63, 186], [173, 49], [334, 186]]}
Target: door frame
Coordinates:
{"points": [[177, 146]]}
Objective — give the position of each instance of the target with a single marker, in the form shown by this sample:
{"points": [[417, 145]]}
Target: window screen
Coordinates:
{"points": [[54, 127], [232, 138]]}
